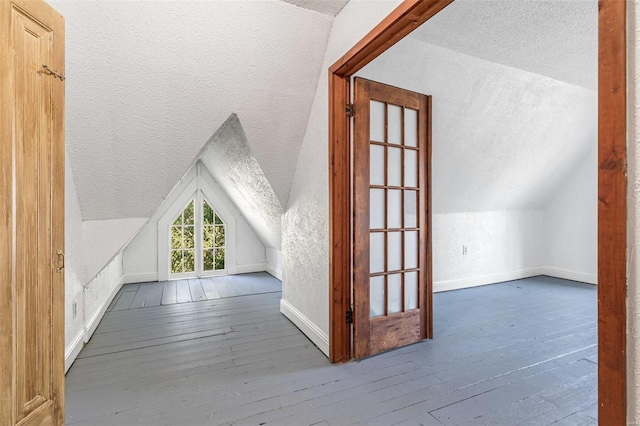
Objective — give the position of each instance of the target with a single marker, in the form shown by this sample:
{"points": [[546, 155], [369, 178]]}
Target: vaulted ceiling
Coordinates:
{"points": [[554, 38], [148, 82]]}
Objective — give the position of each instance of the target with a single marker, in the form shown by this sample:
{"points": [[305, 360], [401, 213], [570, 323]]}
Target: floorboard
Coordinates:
{"points": [[216, 351]]}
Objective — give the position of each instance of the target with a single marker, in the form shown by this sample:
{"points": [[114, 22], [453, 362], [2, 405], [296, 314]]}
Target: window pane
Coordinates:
{"points": [[376, 209], [207, 261], [207, 236], [376, 165], [410, 250], [376, 252], [394, 295], [410, 290], [188, 214], [219, 236], [410, 127], [395, 124], [178, 220], [410, 209], [394, 166], [394, 251], [189, 261], [376, 121], [188, 237], [176, 237], [394, 208], [410, 168], [219, 259], [176, 261], [207, 213], [376, 297], [219, 221]]}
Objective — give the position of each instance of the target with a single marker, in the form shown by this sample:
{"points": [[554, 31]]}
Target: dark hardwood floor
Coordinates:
{"points": [[516, 353]]}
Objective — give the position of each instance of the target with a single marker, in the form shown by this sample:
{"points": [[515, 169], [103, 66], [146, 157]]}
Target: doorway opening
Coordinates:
{"points": [[611, 189]]}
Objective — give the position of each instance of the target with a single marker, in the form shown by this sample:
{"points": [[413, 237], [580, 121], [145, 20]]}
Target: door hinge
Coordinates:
{"points": [[349, 316], [349, 110]]}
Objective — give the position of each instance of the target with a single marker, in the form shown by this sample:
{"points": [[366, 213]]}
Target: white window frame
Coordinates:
{"points": [[201, 187]]}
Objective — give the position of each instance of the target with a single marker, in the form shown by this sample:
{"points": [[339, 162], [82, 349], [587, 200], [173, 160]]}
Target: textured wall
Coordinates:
{"points": [[633, 214], [230, 161], [305, 240], [571, 223], [557, 39], [102, 239], [149, 82], [499, 244], [141, 253], [74, 275], [503, 138]]}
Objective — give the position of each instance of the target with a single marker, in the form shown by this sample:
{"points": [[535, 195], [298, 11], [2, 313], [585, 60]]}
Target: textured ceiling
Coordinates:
{"points": [[148, 82], [557, 38], [328, 7]]}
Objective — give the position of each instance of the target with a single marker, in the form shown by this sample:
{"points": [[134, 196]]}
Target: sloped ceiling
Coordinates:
{"points": [[554, 38], [507, 130], [148, 82], [328, 7], [228, 159]]}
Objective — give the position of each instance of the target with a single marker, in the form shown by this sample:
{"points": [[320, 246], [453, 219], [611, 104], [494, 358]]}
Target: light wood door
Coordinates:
{"points": [[31, 214], [392, 249]]}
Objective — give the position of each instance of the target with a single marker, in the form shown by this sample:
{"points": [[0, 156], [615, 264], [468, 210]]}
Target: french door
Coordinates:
{"points": [[392, 290]]}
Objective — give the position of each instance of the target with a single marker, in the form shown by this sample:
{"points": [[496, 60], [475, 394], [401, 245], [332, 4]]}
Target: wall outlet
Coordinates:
{"points": [[464, 250], [75, 309]]}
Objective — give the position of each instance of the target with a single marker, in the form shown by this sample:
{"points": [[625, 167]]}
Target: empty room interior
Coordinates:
{"points": [[197, 215]]}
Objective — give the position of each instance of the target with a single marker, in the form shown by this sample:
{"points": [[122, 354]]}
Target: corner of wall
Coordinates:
{"points": [[311, 330], [98, 295]]}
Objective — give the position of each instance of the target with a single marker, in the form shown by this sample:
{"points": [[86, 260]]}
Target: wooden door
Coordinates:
{"points": [[392, 249], [31, 214]]}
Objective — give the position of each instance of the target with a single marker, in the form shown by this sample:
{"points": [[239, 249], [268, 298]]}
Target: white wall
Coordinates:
{"points": [[305, 238], [571, 225], [92, 298], [633, 215], [501, 246], [74, 275], [504, 139], [102, 239], [140, 257]]}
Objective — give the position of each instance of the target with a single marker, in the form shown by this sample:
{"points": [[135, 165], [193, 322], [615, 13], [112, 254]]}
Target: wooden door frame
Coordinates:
{"points": [[612, 196]]}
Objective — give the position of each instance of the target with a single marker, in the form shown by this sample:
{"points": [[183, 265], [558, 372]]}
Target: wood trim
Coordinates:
{"points": [[339, 219], [611, 188], [612, 198], [361, 164], [404, 19]]}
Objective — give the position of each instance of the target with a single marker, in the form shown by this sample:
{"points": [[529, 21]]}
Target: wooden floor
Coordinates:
{"points": [[517, 353], [133, 296]]}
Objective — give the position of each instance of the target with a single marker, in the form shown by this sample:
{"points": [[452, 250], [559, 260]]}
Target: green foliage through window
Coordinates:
{"points": [[184, 250], [213, 233], [183, 241]]}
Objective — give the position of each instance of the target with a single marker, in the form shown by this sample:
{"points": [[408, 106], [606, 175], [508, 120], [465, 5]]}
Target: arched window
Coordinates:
{"points": [[198, 240], [213, 239]]}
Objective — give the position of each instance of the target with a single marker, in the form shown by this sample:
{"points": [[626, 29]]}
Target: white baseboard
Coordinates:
{"points": [[72, 351], [569, 275], [84, 336], [485, 279], [140, 278], [273, 271], [92, 324], [312, 331], [247, 269]]}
